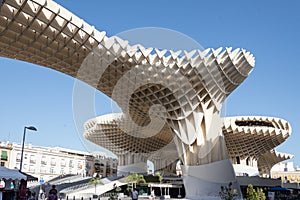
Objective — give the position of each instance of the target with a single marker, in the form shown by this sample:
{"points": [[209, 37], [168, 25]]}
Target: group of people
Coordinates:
{"points": [[135, 194], [52, 195]]}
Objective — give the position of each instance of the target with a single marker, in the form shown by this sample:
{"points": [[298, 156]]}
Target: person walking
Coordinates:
{"points": [[135, 194], [33, 196], [152, 195], [52, 193]]}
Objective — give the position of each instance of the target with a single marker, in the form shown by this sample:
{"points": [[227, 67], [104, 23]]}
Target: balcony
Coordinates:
{"points": [[32, 161], [4, 155], [44, 162]]}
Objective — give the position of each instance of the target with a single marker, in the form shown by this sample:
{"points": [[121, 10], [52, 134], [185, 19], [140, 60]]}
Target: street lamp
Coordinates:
{"points": [[32, 128]]}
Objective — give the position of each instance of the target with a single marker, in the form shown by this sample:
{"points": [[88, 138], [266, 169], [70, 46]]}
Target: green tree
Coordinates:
{"points": [[114, 193], [135, 178], [141, 179], [260, 194], [227, 193], [160, 178], [253, 194], [95, 182]]}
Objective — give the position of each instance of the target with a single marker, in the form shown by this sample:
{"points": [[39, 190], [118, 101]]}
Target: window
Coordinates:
{"points": [[79, 165], [63, 163], [247, 161], [97, 167], [51, 170], [43, 169], [2, 163], [107, 168], [44, 160], [238, 160], [88, 165], [101, 170], [25, 167], [32, 159], [114, 165], [18, 159], [31, 168], [53, 162], [71, 163], [4, 155], [17, 165]]}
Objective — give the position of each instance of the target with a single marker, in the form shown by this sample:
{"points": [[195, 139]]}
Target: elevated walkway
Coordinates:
{"points": [[86, 190], [61, 183]]}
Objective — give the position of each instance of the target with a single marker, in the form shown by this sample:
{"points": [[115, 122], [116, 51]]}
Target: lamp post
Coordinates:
{"points": [[32, 128]]}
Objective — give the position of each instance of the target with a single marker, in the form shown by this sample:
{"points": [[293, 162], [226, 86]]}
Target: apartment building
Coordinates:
{"points": [[104, 166], [286, 172], [48, 162]]}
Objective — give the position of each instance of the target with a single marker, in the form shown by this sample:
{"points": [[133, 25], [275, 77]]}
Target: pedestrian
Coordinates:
{"points": [[52, 193], [135, 194], [43, 196], [33, 196], [152, 195], [28, 193]]}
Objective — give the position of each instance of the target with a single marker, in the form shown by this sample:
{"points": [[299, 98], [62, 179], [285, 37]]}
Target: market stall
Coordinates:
{"points": [[10, 181]]}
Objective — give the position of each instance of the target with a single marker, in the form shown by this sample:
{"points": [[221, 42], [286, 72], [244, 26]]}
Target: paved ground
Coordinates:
{"points": [[129, 198]]}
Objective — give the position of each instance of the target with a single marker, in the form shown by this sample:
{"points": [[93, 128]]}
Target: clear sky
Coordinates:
{"points": [[34, 95]]}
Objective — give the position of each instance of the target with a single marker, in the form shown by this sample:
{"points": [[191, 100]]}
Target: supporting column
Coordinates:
{"points": [[206, 164], [205, 181]]}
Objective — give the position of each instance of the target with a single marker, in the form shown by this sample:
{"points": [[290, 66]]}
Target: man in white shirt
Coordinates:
{"points": [[135, 194]]}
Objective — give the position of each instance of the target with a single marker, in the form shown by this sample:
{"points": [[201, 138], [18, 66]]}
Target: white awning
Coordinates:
{"points": [[13, 174], [164, 185]]}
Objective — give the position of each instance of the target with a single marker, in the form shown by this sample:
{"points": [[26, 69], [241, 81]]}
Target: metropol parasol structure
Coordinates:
{"points": [[170, 101]]}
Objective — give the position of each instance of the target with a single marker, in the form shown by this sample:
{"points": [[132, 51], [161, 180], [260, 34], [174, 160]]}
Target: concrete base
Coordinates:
{"points": [[205, 181], [140, 168]]}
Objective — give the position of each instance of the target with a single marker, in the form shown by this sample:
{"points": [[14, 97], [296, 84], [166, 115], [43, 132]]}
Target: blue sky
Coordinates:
{"points": [[34, 95]]}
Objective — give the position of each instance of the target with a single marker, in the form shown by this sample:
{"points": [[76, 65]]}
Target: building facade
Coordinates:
{"points": [[286, 172], [104, 166], [46, 163], [5, 152]]}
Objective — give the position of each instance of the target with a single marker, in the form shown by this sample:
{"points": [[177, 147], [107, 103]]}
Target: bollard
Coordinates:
{"points": [[73, 197]]}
